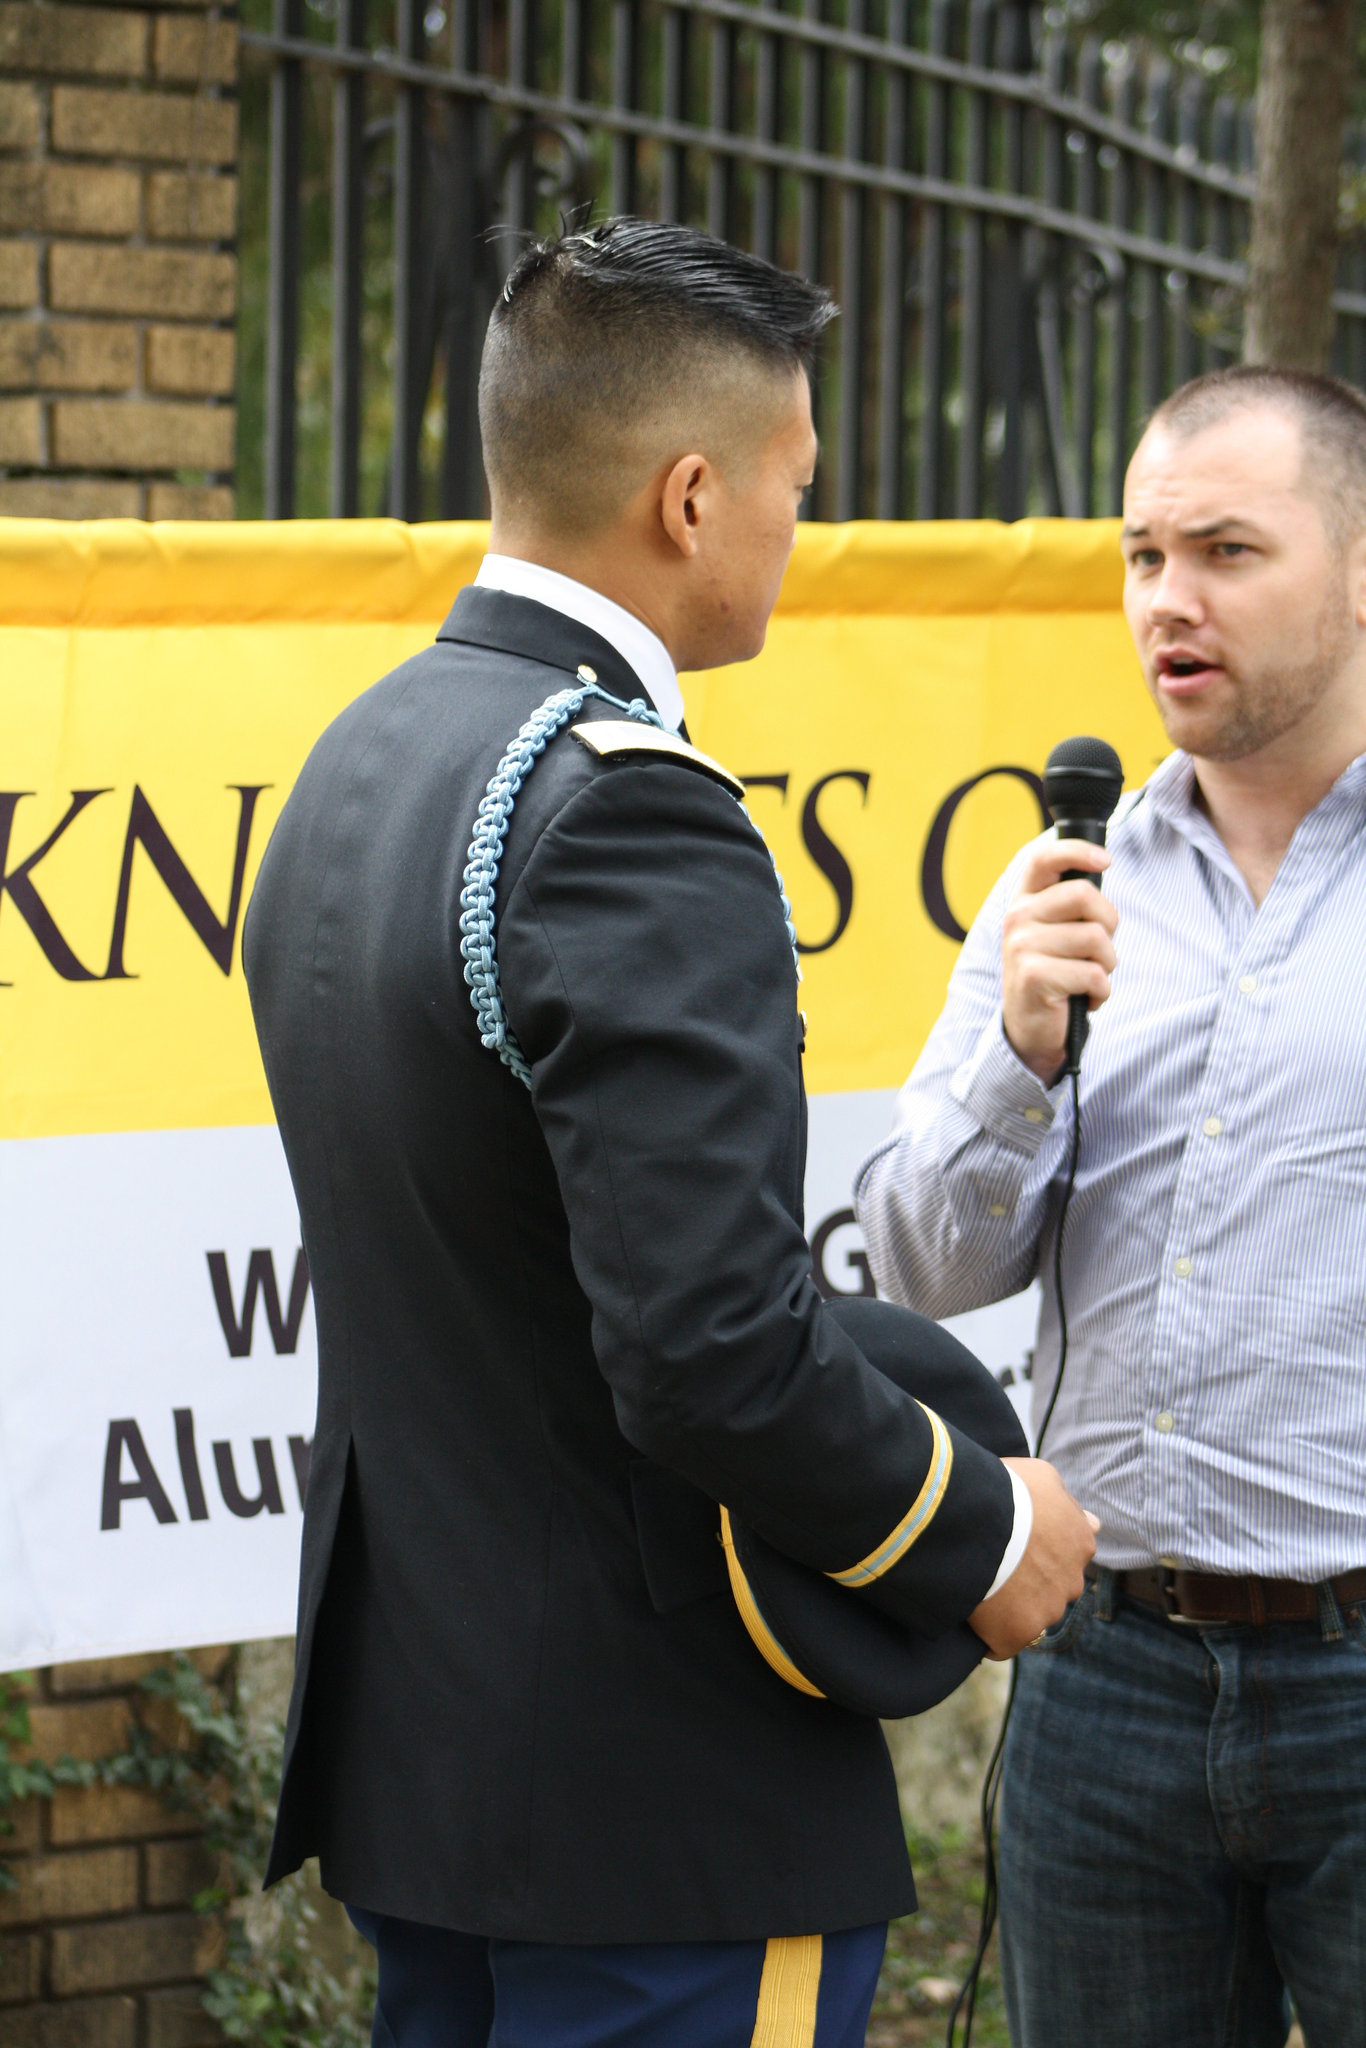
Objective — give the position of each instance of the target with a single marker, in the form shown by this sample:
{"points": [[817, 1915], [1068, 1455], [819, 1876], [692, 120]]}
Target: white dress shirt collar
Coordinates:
{"points": [[642, 650]]}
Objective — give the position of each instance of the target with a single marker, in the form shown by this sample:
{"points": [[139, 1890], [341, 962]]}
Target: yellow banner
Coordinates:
{"points": [[160, 687]]}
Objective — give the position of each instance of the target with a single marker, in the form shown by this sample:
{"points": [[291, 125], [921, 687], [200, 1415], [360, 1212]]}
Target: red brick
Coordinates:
{"points": [[178, 128], [73, 1886], [93, 277], [99, 42], [160, 1948], [191, 52], [77, 2023]]}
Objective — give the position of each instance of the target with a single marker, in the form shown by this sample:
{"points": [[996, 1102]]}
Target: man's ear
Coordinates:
{"points": [[1356, 577], [682, 501]]}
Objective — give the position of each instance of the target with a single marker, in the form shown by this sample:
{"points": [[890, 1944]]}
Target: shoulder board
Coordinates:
{"points": [[619, 739]]}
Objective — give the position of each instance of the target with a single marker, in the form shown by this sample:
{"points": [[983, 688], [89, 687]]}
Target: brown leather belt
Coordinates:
{"points": [[1212, 1597]]}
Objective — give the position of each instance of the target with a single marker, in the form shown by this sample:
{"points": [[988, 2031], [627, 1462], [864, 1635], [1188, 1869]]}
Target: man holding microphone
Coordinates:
{"points": [[1184, 1804]]}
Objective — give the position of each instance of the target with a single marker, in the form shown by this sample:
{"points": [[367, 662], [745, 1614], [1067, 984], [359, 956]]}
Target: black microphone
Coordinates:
{"points": [[1082, 781]]}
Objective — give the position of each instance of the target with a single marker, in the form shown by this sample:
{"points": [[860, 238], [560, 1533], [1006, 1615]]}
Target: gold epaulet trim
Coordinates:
{"points": [[761, 1635], [789, 1991], [917, 1517], [615, 739]]}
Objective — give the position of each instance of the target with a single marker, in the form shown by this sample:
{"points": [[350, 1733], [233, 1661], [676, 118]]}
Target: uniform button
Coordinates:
{"points": [[1166, 1421], [1212, 1126], [1183, 1269], [1247, 984], [1033, 1116], [587, 674], [998, 1209]]}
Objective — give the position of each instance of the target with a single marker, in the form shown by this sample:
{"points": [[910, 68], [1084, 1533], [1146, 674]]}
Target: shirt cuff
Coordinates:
{"points": [[1001, 1094], [1019, 1535]]}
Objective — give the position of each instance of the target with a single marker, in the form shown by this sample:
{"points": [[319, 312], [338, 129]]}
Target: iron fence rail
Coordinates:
{"points": [[1030, 243]]}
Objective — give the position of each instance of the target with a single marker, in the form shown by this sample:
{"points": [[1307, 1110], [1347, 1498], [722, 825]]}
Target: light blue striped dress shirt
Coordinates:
{"points": [[1213, 1410]]}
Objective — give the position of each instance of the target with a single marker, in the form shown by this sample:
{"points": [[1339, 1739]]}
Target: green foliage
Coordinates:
{"points": [[928, 1953], [1217, 39], [29, 1778], [284, 1979]]}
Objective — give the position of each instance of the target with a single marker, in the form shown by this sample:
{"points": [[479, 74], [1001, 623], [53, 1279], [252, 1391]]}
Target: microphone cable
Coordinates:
{"points": [[965, 2005], [1082, 783]]}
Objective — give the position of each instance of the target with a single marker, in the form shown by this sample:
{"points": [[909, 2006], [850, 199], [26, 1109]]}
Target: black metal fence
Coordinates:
{"points": [[1030, 241]]}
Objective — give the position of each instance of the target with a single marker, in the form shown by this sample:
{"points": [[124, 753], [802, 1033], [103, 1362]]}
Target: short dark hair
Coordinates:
{"points": [[605, 338], [1332, 417]]}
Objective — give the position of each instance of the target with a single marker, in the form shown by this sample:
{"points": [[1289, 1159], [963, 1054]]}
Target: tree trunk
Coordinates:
{"points": [[1303, 82]]}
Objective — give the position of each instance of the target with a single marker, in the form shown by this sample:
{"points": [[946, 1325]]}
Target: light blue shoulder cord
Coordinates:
{"points": [[477, 943]]}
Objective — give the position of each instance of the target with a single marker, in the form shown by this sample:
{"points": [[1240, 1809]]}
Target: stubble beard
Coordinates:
{"points": [[1268, 702]]}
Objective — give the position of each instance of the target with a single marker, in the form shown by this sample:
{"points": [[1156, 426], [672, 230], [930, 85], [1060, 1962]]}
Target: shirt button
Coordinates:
{"points": [[1212, 1126], [1166, 1421], [1183, 1269], [1247, 984], [1033, 1116], [998, 1209]]}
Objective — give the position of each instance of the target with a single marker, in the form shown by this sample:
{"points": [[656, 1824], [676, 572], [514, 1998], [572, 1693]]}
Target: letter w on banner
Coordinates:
{"points": [[159, 688]]}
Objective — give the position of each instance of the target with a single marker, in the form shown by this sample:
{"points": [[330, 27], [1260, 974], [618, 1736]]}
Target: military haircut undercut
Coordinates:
{"points": [[613, 347], [1332, 417]]}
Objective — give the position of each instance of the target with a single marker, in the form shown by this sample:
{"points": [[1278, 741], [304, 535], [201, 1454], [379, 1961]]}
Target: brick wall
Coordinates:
{"points": [[118, 283], [98, 1946], [118, 198]]}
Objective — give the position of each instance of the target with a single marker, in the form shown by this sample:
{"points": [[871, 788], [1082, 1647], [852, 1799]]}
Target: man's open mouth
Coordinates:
{"points": [[1175, 667]]}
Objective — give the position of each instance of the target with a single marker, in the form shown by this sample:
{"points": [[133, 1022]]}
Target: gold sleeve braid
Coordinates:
{"points": [[917, 1517]]}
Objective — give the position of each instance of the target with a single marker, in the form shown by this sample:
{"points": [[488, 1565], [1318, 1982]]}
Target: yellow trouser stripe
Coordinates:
{"points": [[761, 1635], [917, 1518], [788, 1990]]}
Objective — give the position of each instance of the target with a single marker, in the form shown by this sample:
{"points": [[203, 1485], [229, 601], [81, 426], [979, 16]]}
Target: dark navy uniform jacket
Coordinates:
{"points": [[556, 1327]]}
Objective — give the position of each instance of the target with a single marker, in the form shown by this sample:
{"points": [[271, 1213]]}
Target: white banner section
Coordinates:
{"points": [[159, 1371], [157, 1392], [843, 1131]]}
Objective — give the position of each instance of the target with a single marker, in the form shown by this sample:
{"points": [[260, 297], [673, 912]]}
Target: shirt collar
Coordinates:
{"points": [[1171, 789], [641, 649]]}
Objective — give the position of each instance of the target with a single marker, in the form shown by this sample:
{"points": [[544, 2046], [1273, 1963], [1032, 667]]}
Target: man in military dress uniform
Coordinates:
{"points": [[537, 1072]]}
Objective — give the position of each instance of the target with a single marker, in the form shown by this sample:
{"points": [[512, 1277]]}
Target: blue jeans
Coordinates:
{"points": [[440, 1989], [1183, 1833]]}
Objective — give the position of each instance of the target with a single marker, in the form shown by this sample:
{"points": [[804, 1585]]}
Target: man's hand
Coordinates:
{"points": [[1057, 943], [1050, 1574]]}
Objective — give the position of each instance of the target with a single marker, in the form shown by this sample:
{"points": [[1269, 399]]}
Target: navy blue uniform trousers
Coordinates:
{"points": [[438, 1989]]}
